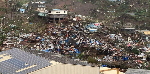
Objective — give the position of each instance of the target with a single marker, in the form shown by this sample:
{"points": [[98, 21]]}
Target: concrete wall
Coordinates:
{"points": [[57, 16], [112, 0], [40, 9], [39, 2], [58, 12], [68, 69]]}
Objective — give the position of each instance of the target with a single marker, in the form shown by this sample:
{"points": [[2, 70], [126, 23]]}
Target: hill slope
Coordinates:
{"points": [[2, 7]]}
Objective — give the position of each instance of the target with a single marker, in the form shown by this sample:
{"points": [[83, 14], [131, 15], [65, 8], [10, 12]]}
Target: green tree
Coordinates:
{"points": [[123, 66], [148, 13], [92, 60], [80, 56], [19, 4], [2, 38], [135, 51]]}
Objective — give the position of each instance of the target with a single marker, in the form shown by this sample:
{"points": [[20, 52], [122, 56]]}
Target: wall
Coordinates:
{"points": [[59, 12], [68, 69]]}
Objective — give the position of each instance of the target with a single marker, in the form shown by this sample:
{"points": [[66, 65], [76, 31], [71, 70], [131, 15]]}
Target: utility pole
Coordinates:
{"points": [[11, 9], [6, 1], [4, 21], [54, 19], [1, 22]]}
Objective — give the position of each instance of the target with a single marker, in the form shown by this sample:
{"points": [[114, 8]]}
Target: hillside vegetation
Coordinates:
{"points": [[102, 10], [107, 10]]}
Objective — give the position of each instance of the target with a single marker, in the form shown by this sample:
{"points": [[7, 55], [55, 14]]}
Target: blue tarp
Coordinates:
{"points": [[112, 35], [66, 40], [97, 48], [104, 65], [58, 50], [136, 41], [42, 14], [56, 9], [47, 50], [76, 50], [22, 10], [91, 25], [100, 43], [77, 43], [42, 39], [73, 36], [60, 42], [32, 49], [125, 58], [97, 42], [92, 30], [37, 37], [115, 58], [21, 39], [83, 42]]}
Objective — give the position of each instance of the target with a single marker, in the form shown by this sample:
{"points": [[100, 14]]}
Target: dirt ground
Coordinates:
{"points": [[76, 6], [2, 5]]}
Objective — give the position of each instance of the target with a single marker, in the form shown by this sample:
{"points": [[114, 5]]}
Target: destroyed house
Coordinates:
{"points": [[38, 6]]}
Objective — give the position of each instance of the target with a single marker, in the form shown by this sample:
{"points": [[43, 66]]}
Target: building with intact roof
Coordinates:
{"points": [[121, 1], [16, 61], [57, 13]]}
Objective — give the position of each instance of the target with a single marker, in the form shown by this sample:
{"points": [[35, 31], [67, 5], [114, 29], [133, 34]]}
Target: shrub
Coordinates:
{"points": [[148, 67], [19, 4], [135, 51], [148, 58], [91, 60], [123, 66], [80, 56]]}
